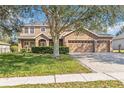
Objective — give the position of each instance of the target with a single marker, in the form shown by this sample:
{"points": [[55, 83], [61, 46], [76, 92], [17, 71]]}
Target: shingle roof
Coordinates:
{"points": [[35, 24], [121, 36], [105, 35], [99, 35], [26, 37], [3, 43]]}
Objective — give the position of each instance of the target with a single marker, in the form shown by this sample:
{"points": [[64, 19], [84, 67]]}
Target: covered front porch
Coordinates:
{"points": [[44, 42], [28, 43]]}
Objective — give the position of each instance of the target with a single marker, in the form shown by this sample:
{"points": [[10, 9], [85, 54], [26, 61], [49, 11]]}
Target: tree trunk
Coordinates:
{"points": [[56, 46]]}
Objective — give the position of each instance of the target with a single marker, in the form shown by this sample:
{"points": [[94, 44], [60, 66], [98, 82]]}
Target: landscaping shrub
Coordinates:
{"points": [[14, 48], [23, 50], [49, 50], [42, 50], [64, 50]]}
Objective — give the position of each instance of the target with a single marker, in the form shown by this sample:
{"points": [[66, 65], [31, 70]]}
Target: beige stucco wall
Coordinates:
{"points": [[76, 36], [87, 47], [84, 35], [37, 31], [36, 35], [78, 47]]}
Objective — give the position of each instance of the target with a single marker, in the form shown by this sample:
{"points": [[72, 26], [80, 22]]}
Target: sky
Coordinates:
{"points": [[113, 30], [40, 17]]}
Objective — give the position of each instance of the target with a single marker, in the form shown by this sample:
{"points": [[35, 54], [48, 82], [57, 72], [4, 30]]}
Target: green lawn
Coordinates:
{"points": [[116, 51], [93, 84], [14, 65]]}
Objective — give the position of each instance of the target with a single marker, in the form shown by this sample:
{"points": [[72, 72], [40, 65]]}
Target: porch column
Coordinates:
{"points": [[47, 42], [36, 42]]}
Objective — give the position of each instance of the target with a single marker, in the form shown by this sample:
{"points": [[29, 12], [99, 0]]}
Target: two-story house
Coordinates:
{"points": [[85, 41]]}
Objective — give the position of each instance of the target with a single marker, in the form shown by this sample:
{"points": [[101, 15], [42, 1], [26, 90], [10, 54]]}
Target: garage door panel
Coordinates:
{"points": [[80, 46], [102, 46]]}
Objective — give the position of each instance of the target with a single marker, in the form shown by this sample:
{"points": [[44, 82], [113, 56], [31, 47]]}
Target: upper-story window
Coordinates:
{"points": [[26, 30], [43, 28], [31, 30]]}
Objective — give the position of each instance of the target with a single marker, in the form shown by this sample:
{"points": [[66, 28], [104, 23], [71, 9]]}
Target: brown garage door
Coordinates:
{"points": [[80, 46], [103, 46]]}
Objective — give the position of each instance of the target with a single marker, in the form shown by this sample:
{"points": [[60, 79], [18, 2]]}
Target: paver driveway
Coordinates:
{"points": [[102, 62]]}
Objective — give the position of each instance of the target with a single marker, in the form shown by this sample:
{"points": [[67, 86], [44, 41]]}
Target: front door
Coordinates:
{"points": [[42, 43]]}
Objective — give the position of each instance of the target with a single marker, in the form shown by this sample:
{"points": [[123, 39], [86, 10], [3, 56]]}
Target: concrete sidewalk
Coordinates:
{"points": [[61, 78]]}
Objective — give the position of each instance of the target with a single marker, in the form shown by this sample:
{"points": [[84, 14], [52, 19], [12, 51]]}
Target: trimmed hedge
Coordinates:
{"points": [[49, 50]]}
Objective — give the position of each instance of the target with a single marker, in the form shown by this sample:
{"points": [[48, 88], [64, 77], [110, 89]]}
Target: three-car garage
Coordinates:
{"points": [[87, 42]]}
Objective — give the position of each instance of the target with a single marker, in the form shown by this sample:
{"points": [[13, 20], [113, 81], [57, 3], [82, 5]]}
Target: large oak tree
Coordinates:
{"points": [[61, 18], [76, 18], [12, 18]]}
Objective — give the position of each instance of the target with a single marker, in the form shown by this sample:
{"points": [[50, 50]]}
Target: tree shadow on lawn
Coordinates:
{"points": [[12, 63], [15, 62], [27, 59]]}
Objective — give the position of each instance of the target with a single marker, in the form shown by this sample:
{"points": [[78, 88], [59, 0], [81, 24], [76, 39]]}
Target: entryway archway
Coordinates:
{"points": [[42, 42]]}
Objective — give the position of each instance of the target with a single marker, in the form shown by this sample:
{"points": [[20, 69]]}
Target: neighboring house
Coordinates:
{"points": [[4, 47], [118, 42], [85, 41]]}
